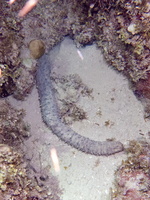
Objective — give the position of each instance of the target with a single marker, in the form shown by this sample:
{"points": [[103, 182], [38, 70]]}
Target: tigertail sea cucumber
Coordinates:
{"points": [[51, 117]]}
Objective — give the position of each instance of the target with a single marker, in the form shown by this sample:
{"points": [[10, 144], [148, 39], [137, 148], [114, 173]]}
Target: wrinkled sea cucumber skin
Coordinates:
{"points": [[51, 117]]}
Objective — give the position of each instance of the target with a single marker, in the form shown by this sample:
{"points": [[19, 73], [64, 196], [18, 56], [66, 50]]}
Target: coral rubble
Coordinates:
{"points": [[14, 180], [132, 177], [12, 127], [69, 89], [12, 79], [121, 28]]}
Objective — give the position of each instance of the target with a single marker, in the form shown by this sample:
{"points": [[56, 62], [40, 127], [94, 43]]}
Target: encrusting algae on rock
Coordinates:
{"points": [[14, 178], [121, 28], [132, 177]]}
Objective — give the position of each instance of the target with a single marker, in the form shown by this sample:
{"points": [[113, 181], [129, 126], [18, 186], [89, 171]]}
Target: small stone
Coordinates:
{"points": [[37, 48], [131, 28]]}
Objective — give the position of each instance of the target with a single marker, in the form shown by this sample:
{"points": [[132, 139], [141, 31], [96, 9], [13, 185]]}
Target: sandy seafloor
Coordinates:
{"points": [[84, 176]]}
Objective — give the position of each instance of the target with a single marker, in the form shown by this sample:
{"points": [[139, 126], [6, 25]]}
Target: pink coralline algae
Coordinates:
{"points": [[143, 87], [132, 178]]}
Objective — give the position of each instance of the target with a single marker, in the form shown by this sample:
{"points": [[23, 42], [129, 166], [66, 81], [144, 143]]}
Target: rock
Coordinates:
{"points": [[37, 48]]}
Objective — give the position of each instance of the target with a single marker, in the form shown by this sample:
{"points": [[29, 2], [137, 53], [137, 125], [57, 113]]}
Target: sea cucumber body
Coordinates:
{"points": [[51, 117]]}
